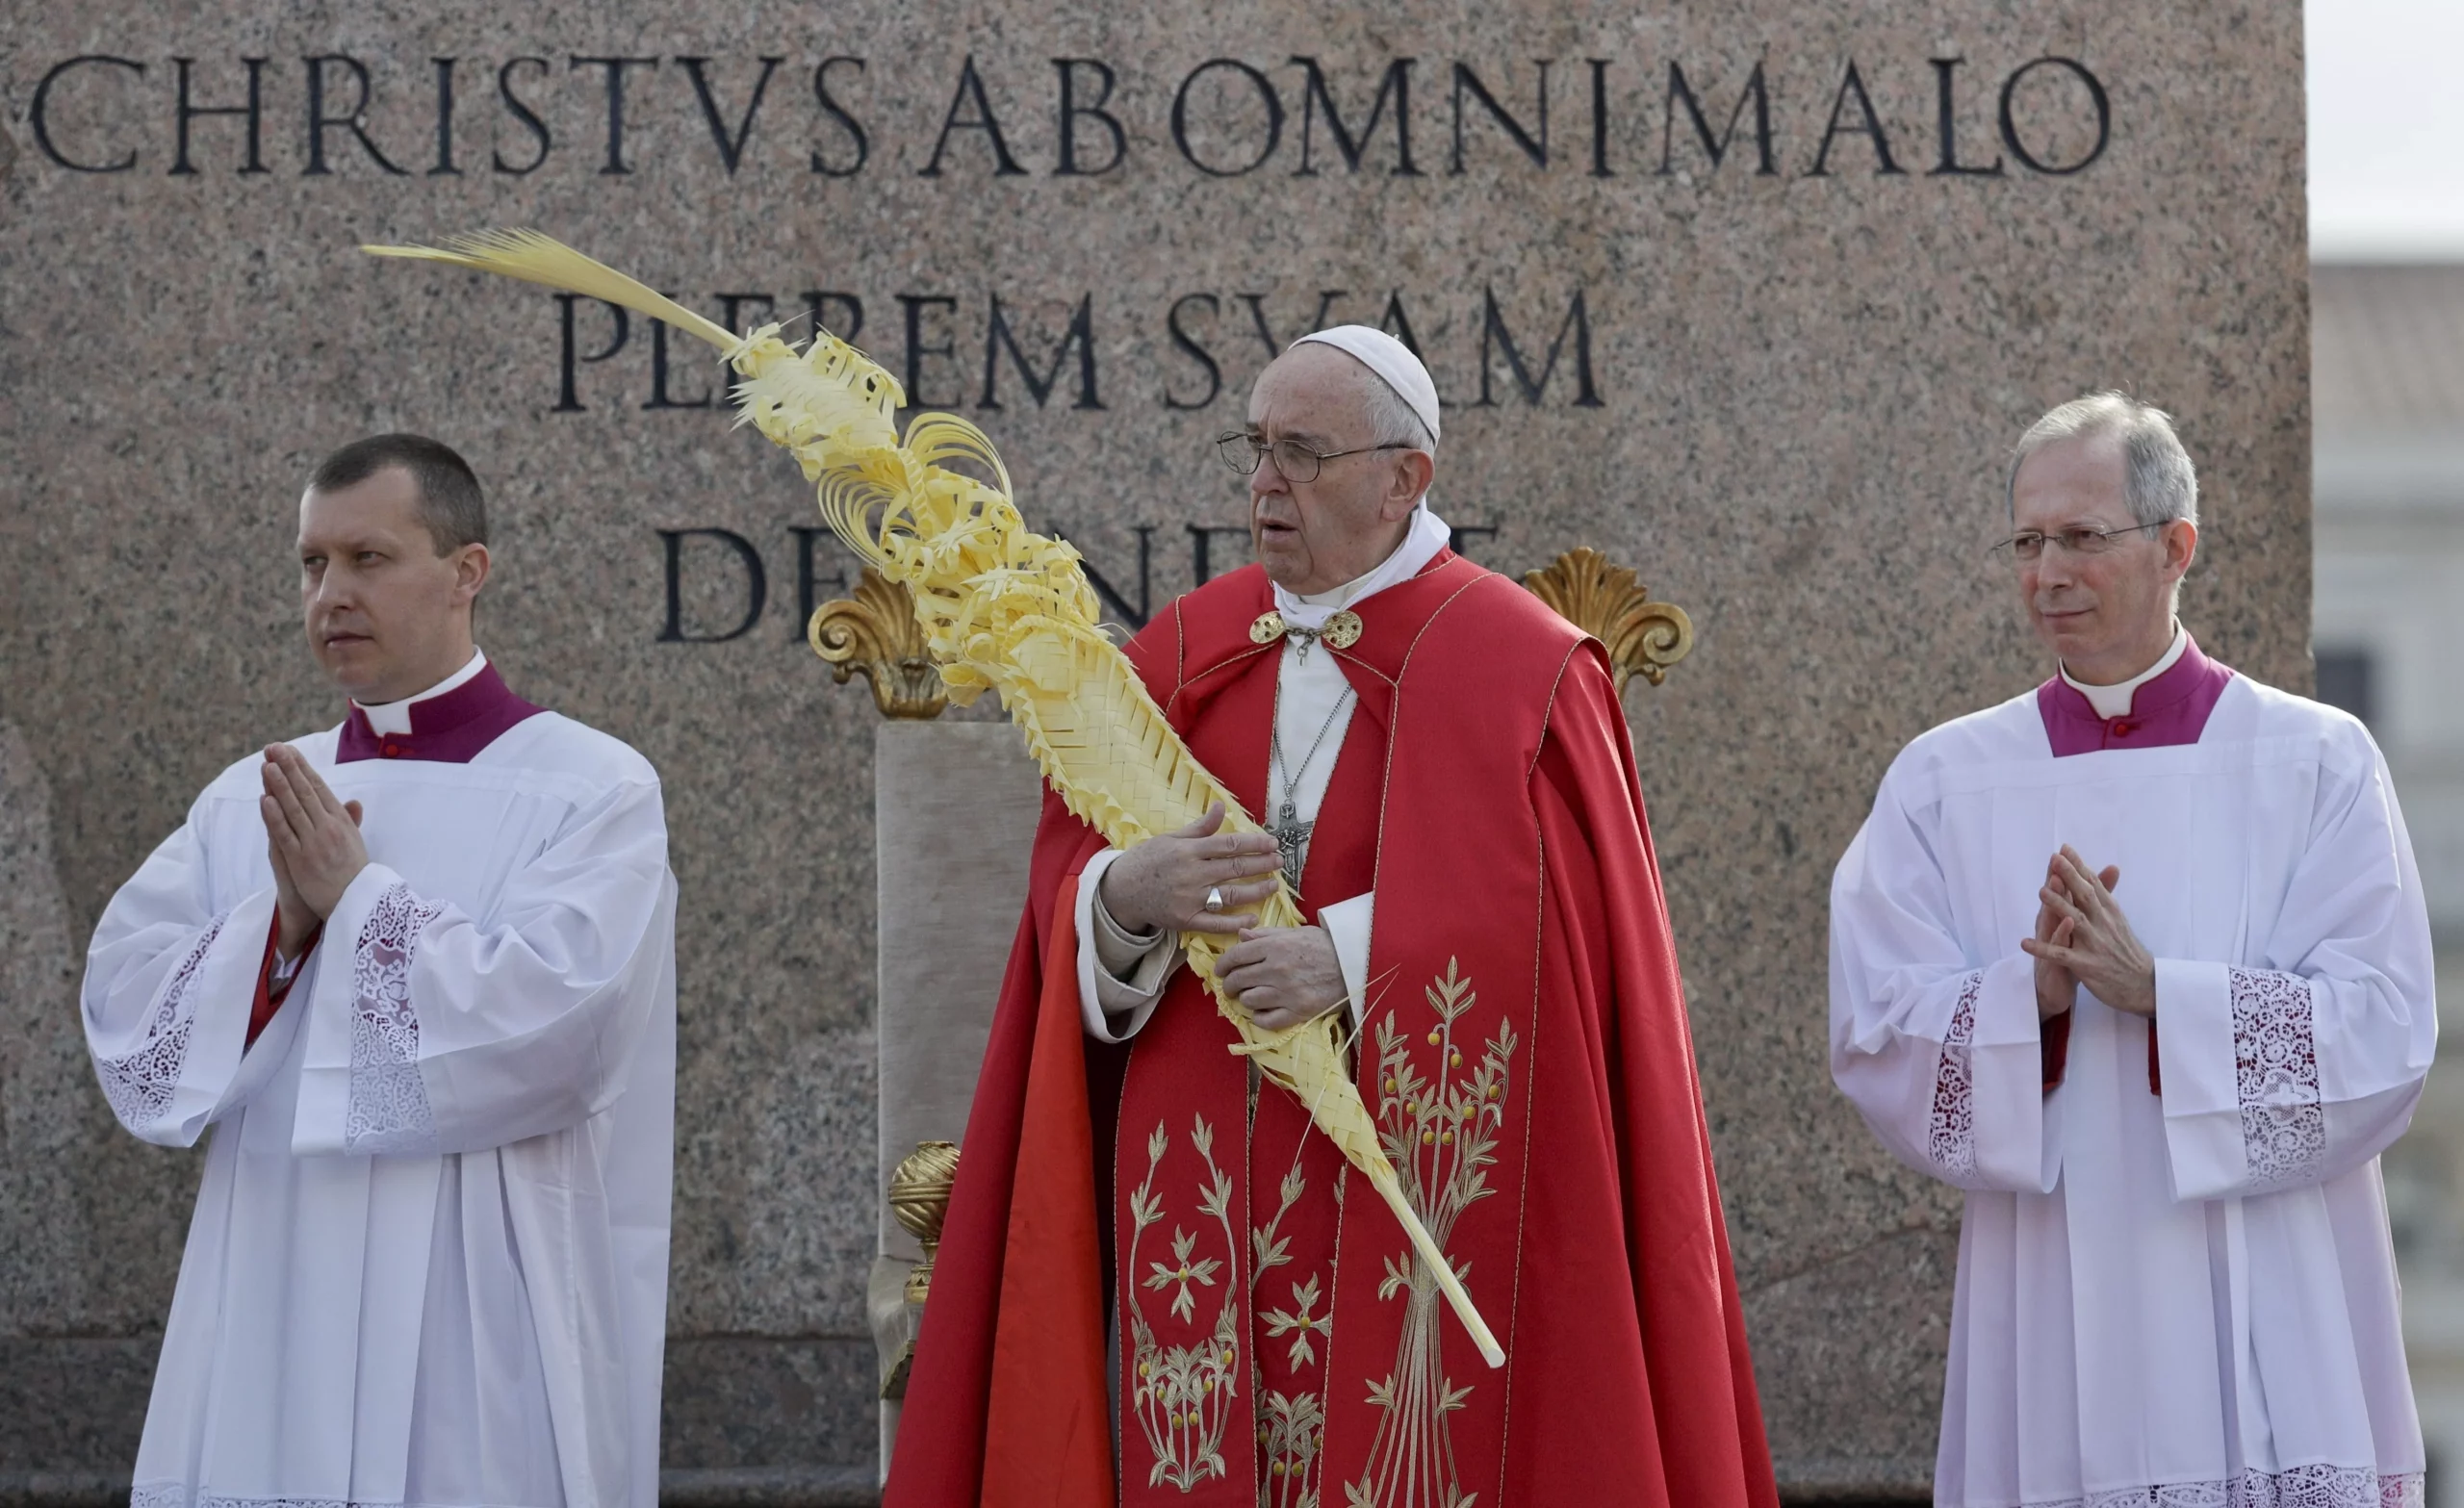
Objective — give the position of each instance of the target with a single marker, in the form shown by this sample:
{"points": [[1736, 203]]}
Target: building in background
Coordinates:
{"points": [[2387, 385]]}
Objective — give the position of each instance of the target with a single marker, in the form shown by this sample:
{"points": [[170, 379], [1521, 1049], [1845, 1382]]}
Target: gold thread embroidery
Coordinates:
{"points": [[1441, 1131], [1183, 1395], [1295, 1427]]}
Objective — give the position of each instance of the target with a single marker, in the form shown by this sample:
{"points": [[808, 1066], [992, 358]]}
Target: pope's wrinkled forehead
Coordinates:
{"points": [[1311, 392]]}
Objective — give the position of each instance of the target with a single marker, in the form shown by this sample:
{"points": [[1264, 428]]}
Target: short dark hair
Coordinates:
{"points": [[450, 500]]}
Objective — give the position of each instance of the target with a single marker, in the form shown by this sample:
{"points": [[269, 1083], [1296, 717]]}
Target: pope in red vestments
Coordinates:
{"points": [[1158, 1283]]}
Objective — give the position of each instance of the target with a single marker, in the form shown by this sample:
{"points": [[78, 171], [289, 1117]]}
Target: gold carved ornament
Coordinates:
{"points": [[1006, 610], [874, 634], [919, 1198], [1605, 601]]}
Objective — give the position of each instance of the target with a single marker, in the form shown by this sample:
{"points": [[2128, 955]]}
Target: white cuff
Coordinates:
{"points": [[1113, 1008], [1347, 924]]}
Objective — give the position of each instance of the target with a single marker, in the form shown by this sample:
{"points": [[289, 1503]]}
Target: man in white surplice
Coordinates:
{"points": [[2140, 961], [1133, 906], [416, 972]]}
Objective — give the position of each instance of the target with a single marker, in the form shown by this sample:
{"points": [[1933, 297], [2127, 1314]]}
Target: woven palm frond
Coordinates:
{"points": [[1005, 608]]}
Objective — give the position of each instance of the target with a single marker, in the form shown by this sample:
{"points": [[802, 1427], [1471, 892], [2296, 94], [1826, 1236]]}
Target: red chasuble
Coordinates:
{"points": [[1526, 1054]]}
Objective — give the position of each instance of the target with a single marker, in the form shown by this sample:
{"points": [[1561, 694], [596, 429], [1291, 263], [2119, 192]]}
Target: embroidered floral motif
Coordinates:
{"points": [[1951, 1137], [2295, 1487], [1182, 1394], [2275, 1052], [139, 1086], [1294, 1428], [1441, 1132], [388, 1109]]}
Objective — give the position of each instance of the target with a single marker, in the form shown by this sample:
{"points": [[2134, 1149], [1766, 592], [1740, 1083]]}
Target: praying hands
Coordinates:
{"points": [[2083, 938], [313, 841]]}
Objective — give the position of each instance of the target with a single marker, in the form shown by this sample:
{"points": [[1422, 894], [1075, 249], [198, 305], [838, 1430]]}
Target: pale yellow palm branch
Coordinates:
{"points": [[1001, 607]]}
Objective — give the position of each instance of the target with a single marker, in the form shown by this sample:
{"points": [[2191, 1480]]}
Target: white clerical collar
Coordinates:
{"points": [[1427, 535], [395, 717], [2114, 700]]}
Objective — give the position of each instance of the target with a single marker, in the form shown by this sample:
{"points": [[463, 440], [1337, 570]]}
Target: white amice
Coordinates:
{"points": [[2186, 1296], [428, 1261]]}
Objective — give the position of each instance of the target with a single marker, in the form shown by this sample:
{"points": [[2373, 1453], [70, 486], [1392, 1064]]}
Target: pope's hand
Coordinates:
{"points": [[314, 843], [1161, 882], [2102, 952], [1283, 976]]}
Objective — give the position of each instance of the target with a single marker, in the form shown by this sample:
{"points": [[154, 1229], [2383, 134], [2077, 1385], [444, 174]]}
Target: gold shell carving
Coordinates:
{"points": [[1605, 601], [874, 634]]}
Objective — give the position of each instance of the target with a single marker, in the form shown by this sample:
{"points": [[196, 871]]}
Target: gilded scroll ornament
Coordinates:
{"points": [[874, 634], [1605, 601]]}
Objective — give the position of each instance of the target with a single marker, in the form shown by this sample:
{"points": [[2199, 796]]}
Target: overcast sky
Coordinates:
{"points": [[2386, 129]]}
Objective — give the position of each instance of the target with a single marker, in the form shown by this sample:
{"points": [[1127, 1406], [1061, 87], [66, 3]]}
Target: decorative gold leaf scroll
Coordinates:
{"points": [[874, 634], [1605, 601]]}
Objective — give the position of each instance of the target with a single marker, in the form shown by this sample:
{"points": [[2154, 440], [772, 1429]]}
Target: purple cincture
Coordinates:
{"points": [[446, 729], [2168, 710]]}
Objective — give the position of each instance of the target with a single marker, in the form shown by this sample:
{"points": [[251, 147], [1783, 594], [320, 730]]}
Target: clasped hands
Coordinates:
{"points": [[2082, 938], [1281, 976], [313, 841]]}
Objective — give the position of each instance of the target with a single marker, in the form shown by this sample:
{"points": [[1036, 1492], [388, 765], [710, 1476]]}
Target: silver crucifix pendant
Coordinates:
{"points": [[1290, 837]]}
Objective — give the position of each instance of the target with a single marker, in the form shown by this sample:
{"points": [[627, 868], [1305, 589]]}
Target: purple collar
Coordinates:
{"points": [[2169, 710], [451, 728]]}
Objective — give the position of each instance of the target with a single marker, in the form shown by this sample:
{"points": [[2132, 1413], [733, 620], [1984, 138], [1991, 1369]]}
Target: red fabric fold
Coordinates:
{"points": [[2053, 1046], [1047, 1438], [269, 1001]]}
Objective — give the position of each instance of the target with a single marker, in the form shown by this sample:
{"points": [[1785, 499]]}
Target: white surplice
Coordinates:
{"points": [[428, 1261], [2185, 1299], [1122, 976]]}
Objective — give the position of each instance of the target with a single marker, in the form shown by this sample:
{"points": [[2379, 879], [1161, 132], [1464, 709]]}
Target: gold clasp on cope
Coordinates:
{"points": [[1341, 630]]}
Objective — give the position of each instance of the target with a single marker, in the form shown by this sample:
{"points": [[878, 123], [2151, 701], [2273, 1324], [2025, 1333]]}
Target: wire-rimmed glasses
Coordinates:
{"points": [[2030, 544], [1293, 461]]}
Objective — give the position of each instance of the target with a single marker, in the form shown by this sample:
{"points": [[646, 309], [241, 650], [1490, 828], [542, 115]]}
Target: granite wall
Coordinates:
{"points": [[1752, 297]]}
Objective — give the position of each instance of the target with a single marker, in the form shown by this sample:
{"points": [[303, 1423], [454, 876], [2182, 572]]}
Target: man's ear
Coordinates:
{"points": [[1406, 484], [2181, 548], [469, 573]]}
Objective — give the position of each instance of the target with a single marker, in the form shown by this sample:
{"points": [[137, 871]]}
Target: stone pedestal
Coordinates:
{"points": [[955, 807]]}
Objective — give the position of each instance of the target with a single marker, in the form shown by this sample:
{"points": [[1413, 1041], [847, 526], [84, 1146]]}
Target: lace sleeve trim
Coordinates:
{"points": [[1951, 1136], [2275, 1053], [2319, 1486], [387, 1108], [139, 1086]]}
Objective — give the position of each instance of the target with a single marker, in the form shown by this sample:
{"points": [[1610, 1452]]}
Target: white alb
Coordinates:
{"points": [[428, 1261], [2186, 1298]]}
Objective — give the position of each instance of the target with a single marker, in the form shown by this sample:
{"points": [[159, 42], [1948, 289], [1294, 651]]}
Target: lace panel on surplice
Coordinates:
{"points": [[387, 1108], [139, 1084], [1951, 1134], [2275, 1058], [2293, 1487]]}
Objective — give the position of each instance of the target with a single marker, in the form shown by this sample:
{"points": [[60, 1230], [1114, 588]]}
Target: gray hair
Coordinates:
{"points": [[2159, 483], [1390, 419]]}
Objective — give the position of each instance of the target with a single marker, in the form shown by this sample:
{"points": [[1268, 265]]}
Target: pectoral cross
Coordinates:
{"points": [[1290, 839]]}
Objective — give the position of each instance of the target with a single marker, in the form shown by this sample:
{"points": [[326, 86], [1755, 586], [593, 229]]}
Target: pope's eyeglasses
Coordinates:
{"points": [[1293, 461]]}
